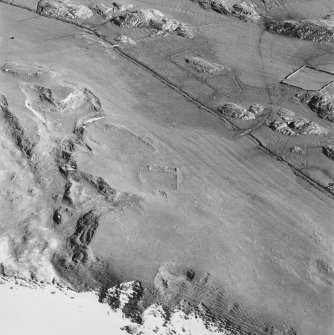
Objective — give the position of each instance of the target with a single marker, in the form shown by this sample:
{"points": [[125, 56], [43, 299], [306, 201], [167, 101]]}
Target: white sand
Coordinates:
{"points": [[28, 308], [51, 311]]}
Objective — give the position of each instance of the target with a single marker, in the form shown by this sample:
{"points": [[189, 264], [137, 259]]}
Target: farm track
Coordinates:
{"points": [[299, 172]]}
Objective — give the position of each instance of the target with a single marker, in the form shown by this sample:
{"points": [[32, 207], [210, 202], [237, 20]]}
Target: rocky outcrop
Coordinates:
{"points": [[125, 40], [323, 104], [328, 150], [244, 11], [85, 229], [287, 123], [14, 128], [122, 304], [237, 112], [297, 150], [203, 65], [108, 10], [63, 9], [76, 199], [158, 318], [41, 98], [206, 4], [304, 30], [125, 297], [327, 21], [221, 6], [79, 98], [153, 19]]}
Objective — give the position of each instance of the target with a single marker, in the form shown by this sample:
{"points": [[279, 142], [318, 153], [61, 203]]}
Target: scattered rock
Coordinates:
{"points": [[153, 19], [237, 112], [63, 9], [303, 97], [279, 330], [125, 40], [25, 72], [330, 187], [163, 193], [174, 280], [202, 65], [297, 150], [323, 267], [323, 104], [286, 114], [320, 271], [93, 39]]}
